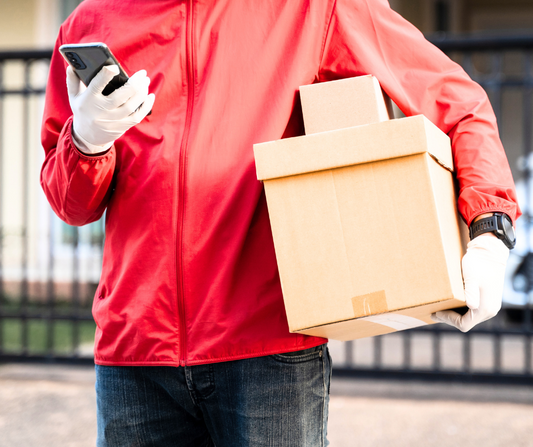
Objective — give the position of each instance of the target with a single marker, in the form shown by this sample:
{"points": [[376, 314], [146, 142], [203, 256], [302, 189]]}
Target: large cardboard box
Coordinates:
{"points": [[364, 220]]}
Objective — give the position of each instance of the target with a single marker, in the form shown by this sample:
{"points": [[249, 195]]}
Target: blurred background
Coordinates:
{"points": [[50, 270]]}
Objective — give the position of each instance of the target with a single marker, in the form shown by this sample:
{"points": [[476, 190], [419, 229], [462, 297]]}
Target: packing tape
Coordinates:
{"points": [[395, 321], [369, 304]]}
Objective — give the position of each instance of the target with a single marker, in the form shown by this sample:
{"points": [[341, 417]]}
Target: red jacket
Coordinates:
{"points": [[189, 272]]}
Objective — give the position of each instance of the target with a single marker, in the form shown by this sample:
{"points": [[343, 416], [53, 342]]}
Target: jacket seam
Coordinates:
{"points": [[326, 35]]}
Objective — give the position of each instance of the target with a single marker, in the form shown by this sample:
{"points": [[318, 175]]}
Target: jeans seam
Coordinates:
{"points": [[188, 382], [325, 397]]}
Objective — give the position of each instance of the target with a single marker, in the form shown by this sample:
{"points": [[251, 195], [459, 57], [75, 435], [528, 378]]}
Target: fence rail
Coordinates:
{"points": [[48, 270]]}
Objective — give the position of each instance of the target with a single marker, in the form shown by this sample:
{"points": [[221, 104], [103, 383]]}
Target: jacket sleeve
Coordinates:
{"points": [[367, 37], [78, 186]]}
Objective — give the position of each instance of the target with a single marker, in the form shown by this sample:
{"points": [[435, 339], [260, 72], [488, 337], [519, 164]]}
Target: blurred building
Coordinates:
{"points": [[28, 24], [466, 16], [34, 23]]}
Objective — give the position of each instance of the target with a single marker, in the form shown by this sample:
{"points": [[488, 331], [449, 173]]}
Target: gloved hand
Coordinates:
{"points": [[99, 120], [483, 274]]}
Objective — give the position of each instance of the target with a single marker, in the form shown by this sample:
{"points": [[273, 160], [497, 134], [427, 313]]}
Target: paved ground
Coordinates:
{"points": [[372, 414], [45, 406], [42, 406]]}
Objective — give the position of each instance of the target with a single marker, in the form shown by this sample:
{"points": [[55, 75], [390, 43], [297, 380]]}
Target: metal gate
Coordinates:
{"points": [[49, 270]]}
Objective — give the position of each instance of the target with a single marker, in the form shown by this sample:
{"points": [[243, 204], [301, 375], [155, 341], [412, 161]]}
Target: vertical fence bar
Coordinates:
{"points": [[348, 354], [24, 289], [436, 351], [527, 115], [378, 341], [75, 309], [467, 364], [497, 353], [495, 85], [407, 350], [2, 343], [50, 285], [526, 173], [50, 292], [527, 337]]}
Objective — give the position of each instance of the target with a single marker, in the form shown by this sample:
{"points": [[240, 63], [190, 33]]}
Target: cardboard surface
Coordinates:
{"points": [[365, 224], [361, 101], [369, 229]]}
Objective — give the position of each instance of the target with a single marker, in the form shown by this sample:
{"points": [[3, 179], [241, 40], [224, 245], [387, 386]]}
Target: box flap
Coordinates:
{"points": [[351, 146]]}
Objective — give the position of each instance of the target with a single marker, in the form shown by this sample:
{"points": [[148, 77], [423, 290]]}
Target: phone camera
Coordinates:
{"points": [[75, 60]]}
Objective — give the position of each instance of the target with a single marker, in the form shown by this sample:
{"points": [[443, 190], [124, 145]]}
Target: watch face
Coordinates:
{"points": [[508, 229]]}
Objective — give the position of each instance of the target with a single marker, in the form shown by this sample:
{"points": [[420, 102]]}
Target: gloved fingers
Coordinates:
{"points": [[119, 126], [139, 82], [470, 263], [104, 76], [462, 322], [73, 82], [472, 293], [129, 108], [140, 113]]}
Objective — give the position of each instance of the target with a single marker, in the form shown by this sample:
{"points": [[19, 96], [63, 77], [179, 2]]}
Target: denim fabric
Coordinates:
{"points": [[278, 400]]}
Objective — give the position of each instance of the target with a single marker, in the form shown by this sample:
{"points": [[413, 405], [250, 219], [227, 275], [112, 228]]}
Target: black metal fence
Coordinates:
{"points": [[46, 284], [49, 271]]}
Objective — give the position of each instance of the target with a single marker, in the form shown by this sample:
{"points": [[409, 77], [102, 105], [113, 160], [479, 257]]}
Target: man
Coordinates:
{"points": [[192, 345]]}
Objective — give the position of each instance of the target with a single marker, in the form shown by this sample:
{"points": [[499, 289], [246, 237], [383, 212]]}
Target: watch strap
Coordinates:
{"points": [[485, 225]]}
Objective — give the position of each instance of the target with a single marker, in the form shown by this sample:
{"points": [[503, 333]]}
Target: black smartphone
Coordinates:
{"points": [[87, 59]]}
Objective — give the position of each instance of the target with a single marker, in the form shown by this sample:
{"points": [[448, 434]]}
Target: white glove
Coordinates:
{"points": [[99, 120], [483, 274]]}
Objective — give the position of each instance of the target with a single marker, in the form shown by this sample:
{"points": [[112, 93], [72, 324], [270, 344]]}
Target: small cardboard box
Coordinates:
{"points": [[344, 103], [364, 220]]}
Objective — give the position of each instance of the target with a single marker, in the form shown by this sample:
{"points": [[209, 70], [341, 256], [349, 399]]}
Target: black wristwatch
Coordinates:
{"points": [[500, 224]]}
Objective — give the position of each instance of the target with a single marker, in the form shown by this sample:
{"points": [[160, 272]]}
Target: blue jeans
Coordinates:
{"points": [[277, 400]]}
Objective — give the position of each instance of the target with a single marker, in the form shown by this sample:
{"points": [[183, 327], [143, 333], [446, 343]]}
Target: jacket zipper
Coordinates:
{"points": [[182, 168]]}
